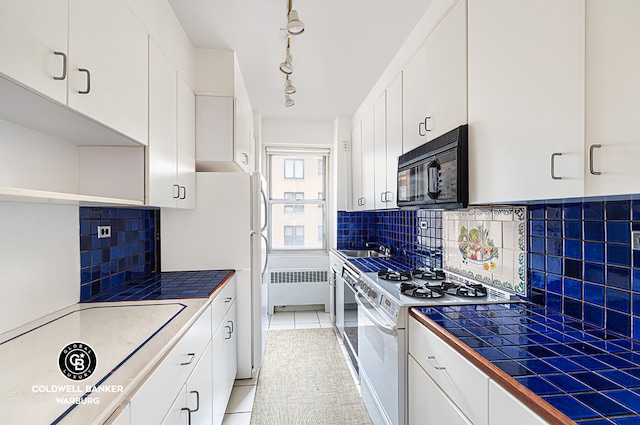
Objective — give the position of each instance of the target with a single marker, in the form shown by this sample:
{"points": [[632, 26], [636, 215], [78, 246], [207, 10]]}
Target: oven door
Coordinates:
{"points": [[378, 344], [348, 322]]}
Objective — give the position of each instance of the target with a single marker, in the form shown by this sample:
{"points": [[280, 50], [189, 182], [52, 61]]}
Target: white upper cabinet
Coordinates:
{"points": [[414, 101], [394, 138], [612, 97], [434, 91], [368, 161], [356, 168], [446, 73], [107, 67], [526, 99], [171, 150], [34, 45], [186, 142], [379, 177]]}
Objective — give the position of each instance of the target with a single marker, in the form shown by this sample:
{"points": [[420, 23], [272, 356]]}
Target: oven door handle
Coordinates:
{"points": [[389, 330]]}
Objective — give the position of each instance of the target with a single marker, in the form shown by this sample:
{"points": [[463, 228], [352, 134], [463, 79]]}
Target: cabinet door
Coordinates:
{"points": [[199, 391], [356, 167], [368, 161], [526, 99], [380, 153], [446, 73], [414, 101], [106, 38], [428, 405], [394, 138], [31, 31], [214, 128], [242, 140], [162, 190], [503, 408], [186, 146], [612, 96], [224, 363]]}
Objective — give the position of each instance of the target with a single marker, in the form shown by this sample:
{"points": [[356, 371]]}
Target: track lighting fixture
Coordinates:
{"points": [[289, 88], [286, 65], [288, 102], [295, 26]]}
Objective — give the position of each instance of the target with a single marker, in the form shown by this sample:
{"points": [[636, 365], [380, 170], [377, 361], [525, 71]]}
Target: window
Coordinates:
{"points": [[293, 168], [293, 235], [297, 205], [297, 208]]}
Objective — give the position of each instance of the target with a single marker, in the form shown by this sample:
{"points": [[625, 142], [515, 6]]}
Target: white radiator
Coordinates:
{"points": [[298, 287]]}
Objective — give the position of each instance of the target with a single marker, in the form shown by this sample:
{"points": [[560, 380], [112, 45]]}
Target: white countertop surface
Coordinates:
{"points": [[129, 339]]}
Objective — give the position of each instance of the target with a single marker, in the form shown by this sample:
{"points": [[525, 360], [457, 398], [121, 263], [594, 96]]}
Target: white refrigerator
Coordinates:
{"points": [[226, 230]]}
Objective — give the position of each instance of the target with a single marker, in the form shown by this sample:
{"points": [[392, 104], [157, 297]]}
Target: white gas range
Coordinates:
{"points": [[383, 299]]}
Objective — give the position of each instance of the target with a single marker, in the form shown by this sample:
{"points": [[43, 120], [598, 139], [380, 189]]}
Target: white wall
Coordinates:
{"points": [[298, 133], [39, 261]]}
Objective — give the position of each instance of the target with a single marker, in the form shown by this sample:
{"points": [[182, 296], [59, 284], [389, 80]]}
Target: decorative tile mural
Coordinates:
{"points": [[488, 245]]}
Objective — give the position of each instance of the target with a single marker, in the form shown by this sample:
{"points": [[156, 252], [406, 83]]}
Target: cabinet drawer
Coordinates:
{"points": [[164, 384], [463, 383], [428, 405], [222, 303], [504, 407]]}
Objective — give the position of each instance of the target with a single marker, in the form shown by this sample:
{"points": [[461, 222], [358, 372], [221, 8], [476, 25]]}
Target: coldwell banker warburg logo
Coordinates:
{"points": [[77, 361]]}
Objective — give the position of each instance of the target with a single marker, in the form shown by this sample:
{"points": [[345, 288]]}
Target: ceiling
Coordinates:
{"points": [[345, 48]]}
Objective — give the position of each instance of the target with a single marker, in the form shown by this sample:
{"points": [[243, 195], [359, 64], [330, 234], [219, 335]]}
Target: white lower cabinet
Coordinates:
{"points": [[428, 405], [193, 383], [504, 408], [225, 363], [463, 383]]}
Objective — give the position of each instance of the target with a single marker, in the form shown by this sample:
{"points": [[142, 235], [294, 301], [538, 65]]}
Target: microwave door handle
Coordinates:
{"points": [[433, 179]]}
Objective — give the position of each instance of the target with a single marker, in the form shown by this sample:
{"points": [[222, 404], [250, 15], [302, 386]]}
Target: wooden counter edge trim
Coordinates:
{"points": [[522, 393], [222, 283]]}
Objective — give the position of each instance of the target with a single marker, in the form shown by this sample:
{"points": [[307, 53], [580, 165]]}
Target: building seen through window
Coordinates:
{"points": [[297, 204]]}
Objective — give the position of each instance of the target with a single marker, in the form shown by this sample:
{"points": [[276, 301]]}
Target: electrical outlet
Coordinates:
{"points": [[635, 240], [104, 232], [424, 224], [345, 146]]}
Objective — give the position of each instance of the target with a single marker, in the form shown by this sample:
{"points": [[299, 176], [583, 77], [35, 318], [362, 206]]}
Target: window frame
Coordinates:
{"points": [[299, 154]]}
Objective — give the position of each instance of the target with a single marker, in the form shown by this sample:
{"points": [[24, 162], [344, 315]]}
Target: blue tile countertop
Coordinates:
{"points": [[166, 286], [590, 375]]}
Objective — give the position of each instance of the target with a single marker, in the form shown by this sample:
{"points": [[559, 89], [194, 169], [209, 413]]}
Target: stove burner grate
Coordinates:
{"points": [[467, 290], [421, 291], [394, 276], [423, 274]]}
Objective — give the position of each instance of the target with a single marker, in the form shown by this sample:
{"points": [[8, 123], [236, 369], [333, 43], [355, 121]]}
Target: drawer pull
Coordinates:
{"points": [[197, 400], [231, 324], [229, 332], [553, 166], [591, 170], [228, 299], [188, 413], [435, 366], [191, 357]]}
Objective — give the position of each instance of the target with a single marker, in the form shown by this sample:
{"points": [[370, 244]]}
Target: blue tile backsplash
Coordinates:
{"points": [[581, 261], [399, 228], [129, 253], [580, 258]]}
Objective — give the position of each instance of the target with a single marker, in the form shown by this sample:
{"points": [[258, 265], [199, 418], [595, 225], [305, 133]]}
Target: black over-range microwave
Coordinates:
{"points": [[436, 174]]}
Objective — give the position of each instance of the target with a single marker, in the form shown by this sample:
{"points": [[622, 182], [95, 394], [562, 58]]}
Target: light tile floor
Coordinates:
{"points": [[244, 390]]}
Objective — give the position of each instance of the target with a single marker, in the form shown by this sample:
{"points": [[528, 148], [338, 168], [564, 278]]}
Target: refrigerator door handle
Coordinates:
{"points": [[266, 260], [266, 210]]}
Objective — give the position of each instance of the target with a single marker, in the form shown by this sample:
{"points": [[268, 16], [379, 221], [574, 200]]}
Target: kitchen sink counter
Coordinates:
{"points": [[546, 359], [129, 338]]}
